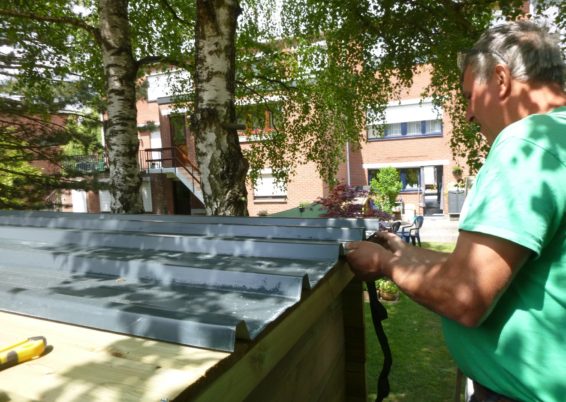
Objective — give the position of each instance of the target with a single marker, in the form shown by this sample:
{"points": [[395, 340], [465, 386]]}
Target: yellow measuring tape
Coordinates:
{"points": [[25, 350]]}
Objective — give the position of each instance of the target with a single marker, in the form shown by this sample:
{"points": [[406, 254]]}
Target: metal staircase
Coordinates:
{"points": [[191, 179], [173, 161]]}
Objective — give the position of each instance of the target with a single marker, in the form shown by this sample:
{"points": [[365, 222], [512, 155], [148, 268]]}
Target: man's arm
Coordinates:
{"points": [[462, 286]]}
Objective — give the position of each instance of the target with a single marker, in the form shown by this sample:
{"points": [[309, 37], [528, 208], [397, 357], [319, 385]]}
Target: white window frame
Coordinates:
{"points": [[267, 187], [399, 117]]}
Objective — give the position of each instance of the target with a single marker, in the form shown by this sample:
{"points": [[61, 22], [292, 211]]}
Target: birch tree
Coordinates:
{"points": [[113, 36], [324, 62], [53, 30], [223, 168]]}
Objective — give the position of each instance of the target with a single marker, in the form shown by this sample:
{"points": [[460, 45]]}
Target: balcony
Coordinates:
{"points": [[172, 161], [84, 164]]}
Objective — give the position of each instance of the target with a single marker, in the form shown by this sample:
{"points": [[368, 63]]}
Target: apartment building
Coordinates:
{"points": [[415, 140]]}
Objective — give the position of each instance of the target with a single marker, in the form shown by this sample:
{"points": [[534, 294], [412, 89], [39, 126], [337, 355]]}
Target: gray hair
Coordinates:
{"points": [[530, 51]]}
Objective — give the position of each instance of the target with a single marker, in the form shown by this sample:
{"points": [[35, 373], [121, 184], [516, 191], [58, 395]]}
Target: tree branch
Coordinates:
{"points": [[149, 60], [170, 8], [76, 22], [267, 79]]}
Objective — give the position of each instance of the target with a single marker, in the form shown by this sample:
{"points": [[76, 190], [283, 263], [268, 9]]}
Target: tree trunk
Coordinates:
{"points": [[222, 165], [121, 134]]}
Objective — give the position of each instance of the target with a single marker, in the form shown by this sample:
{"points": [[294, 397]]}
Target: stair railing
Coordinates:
{"points": [[160, 158]]}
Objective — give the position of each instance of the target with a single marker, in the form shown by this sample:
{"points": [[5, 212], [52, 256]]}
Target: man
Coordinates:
{"points": [[502, 292]]}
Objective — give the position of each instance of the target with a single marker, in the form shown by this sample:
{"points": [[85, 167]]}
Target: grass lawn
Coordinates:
{"points": [[422, 368]]}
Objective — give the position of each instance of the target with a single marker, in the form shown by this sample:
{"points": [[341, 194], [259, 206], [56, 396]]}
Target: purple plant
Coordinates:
{"points": [[348, 202]]}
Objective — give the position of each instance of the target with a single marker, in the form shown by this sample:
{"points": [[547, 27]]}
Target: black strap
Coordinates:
{"points": [[378, 314]]}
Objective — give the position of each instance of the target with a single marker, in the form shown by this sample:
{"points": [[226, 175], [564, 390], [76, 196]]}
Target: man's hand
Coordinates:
{"points": [[366, 259], [388, 240]]}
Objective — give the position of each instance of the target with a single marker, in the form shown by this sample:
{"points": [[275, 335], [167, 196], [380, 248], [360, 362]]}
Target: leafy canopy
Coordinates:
{"points": [[324, 62]]}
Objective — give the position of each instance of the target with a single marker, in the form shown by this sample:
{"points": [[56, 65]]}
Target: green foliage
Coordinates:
{"points": [[148, 126], [14, 193], [345, 202], [39, 83], [422, 366], [386, 185], [457, 170], [326, 62], [442, 247], [345, 56], [34, 143], [86, 138], [386, 285], [422, 369]]}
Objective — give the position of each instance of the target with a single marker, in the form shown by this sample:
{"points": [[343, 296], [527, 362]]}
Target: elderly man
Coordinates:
{"points": [[502, 292]]}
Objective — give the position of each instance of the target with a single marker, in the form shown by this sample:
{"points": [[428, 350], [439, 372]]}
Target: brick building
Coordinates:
{"points": [[415, 141]]}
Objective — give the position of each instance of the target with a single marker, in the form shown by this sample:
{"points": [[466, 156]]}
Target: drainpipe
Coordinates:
{"points": [[348, 163], [103, 139]]}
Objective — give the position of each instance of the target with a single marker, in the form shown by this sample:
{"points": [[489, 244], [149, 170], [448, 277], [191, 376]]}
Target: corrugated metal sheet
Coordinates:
{"points": [[199, 281]]}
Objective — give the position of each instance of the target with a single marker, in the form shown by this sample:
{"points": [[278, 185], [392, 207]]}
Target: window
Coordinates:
{"points": [[268, 187], [432, 127], [410, 177], [169, 83], [393, 130], [405, 119], [414, 128], [177, 122], [259, 117], [408, 129]]}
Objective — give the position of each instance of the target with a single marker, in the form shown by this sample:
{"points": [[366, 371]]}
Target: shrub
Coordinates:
{"points": [[386, 285], [386, 185], [344, 201]]}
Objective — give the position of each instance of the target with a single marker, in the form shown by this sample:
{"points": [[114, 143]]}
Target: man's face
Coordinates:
{"points": [[483, 105]]}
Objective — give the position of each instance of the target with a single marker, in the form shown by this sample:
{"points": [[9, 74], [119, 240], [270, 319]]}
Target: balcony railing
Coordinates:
{"points": [[85, 164], [153, 159]]}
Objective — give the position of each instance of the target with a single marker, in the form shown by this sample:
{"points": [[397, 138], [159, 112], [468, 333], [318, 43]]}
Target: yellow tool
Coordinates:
{"points": [[22, 351]]}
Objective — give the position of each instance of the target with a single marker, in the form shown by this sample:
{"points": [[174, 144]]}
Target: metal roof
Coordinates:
{"points": [[194, 280]]}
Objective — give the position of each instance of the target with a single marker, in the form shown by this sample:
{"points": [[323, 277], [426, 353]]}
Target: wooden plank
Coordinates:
{"points": [[249, 368], [355, 347], [90, 365], [304, 373], [94, 366]]}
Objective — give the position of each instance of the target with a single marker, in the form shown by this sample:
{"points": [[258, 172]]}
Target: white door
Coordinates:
{"points": [[155, 142], [145, 190], [78, 198], [105, 199]]}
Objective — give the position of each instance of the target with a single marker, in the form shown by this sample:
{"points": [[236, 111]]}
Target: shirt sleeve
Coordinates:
{"points": [[516, 194]]}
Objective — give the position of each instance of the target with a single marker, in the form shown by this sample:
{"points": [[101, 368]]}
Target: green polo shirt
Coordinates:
{"points": [[520, 195]]}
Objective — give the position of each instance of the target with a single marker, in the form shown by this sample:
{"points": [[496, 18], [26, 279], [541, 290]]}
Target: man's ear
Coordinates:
{"points": [[503, 79]]}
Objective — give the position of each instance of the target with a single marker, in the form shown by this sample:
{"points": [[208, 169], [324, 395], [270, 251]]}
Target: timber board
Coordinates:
{"points": [[90, 366]]}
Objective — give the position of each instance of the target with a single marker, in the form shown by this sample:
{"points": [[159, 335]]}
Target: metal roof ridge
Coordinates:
{"points": [[249, 247], [213, 229], [367, 223]]}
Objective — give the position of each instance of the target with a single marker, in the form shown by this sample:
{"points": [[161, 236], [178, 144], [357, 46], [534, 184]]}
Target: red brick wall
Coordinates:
{"points": [[306, 185], [93, 201], [147, 111], [161, 194]]}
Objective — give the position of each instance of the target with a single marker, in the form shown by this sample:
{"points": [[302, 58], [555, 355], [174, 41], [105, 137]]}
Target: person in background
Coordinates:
{"points": [[502, 291]]}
